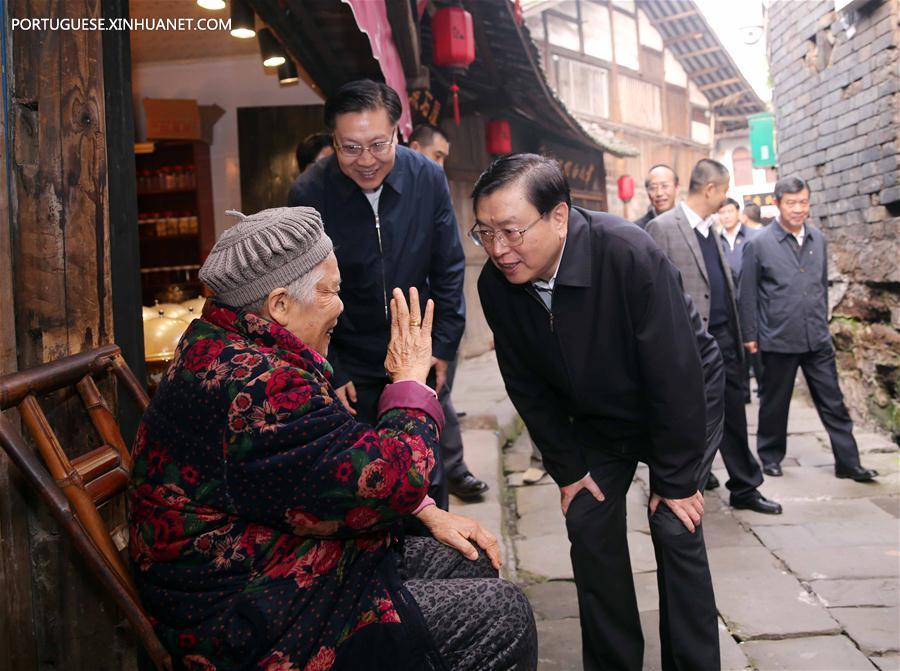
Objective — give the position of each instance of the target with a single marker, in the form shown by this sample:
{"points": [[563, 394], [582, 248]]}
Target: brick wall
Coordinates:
{"points": [[837, 108]]}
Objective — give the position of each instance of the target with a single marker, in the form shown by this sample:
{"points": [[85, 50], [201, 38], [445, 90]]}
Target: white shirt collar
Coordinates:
{"points": [[548, 284], [697, 222], [732, 238]]}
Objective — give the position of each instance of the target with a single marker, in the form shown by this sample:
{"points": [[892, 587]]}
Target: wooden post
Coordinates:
{"points": [[54, 614]]}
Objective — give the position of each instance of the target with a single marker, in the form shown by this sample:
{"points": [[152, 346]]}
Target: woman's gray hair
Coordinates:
{"points": [[302, 290]]}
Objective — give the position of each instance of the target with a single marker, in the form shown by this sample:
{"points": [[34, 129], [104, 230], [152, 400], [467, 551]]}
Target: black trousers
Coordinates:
{"points": [[779, 373], [477, 621], [451, 438], [744, 473], [368, 392], [611, 635]]}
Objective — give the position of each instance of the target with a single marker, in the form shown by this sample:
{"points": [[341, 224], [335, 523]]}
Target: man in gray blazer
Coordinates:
{"points": [[784, 308], [685, 235]]}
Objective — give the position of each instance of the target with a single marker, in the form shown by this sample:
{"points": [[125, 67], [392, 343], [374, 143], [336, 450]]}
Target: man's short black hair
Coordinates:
{"points": [[654, 167], [731, 201], [752, 212], [360, 96], [310, 147], [706, 171], [789, 185], [545, 184], [424, 134]]}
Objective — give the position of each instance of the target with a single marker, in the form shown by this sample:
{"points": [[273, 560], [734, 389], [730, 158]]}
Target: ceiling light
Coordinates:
{"points": [[272, 53], [212, 4], [242, 19], [287, 73]]}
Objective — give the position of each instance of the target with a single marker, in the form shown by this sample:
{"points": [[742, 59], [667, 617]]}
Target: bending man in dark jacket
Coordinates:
{"points": [[600, 356], [388, 211]]}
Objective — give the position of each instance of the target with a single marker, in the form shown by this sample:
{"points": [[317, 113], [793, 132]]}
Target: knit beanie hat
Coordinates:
{"points": [[264, 251]]}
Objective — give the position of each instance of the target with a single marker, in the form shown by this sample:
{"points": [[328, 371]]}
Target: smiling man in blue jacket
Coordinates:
{"points": [[388, 211]]}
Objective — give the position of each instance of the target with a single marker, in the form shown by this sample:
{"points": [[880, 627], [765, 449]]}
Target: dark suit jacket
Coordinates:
{"points": [[784, 291], [615, 364], [674, 235], [649, 215]]}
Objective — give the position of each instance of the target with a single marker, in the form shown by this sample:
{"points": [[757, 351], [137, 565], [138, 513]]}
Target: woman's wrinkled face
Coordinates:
{"points": [[313, 322]]}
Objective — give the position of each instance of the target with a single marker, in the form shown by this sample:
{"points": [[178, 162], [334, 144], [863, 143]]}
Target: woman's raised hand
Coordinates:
{"points": [[409, 350]]}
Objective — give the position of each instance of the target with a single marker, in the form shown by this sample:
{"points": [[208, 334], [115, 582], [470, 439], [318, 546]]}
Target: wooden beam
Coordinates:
{"points": [[700, 52], [727, 100], [678, 39], [724, 82], [675, 17], [703, 71], [725, 118], [405, 30]]}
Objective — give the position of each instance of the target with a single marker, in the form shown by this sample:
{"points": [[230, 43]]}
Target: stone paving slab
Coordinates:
{"points": [[640, 549], [875, 630], [779, 607], [723, 529], [553, 600], [545, 556], [830, 534], [817, 653], [800, 483], [887, 662], [874, 442], [646, 590], [860, 511], [889, 504], [865, 592], [544, 521], [878, 561], [559, 647]]}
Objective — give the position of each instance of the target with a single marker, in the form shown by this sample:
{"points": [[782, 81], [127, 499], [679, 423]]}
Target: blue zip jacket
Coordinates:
{"points": [[414, 241]]}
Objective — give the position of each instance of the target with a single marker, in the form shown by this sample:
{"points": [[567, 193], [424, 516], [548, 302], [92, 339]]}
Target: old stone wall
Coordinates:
{"points": [[836, 96]]}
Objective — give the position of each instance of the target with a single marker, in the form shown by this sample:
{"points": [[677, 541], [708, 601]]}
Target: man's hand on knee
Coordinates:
{"points": [[689, 510], [460, 533], [567, 493]]}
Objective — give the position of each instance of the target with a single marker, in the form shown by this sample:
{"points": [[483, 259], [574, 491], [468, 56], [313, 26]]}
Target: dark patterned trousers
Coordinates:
{"points": [[478, 621]]}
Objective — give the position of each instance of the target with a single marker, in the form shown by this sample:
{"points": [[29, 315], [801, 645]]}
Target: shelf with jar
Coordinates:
{"points": [[175, 223]]}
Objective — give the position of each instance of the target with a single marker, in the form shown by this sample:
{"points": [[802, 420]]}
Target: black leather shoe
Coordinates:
{"points": [[712, 482], [467, 487], [857, 473], [772, 469], [757, 503]]}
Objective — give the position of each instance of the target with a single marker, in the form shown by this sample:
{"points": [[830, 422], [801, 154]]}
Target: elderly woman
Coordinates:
{"points": [[265, 520]]}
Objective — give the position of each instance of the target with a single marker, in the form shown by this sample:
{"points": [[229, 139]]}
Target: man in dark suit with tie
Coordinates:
{"points": [[784, 307], [602, 359], [685, 235]]}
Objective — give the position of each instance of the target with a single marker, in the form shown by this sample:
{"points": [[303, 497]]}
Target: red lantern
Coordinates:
{"points": [[453, 38], [498, 137], [626, 188]]}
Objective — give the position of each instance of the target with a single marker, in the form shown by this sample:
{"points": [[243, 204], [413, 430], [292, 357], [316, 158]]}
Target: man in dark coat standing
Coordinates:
{"points": [[388, 211], [685, 235], [599, 354], [784, 308]]}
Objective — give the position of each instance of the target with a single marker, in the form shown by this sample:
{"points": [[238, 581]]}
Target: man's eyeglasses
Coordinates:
{"points": [[511, 237], [653, 188], [356, 150]]}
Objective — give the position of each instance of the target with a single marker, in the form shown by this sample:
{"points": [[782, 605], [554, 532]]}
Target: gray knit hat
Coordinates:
{"points": [[264, 251]]}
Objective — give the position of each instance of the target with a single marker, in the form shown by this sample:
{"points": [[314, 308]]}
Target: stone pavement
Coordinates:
{"points": [[814, 588]]}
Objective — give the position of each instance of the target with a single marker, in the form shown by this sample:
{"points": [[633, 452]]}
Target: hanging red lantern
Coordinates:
{"points": [[453, 38], [498, 137], [626, 188]]}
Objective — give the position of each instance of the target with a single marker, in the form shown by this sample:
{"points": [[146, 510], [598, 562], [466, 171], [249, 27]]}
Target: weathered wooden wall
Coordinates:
{"points": [[268, 159], [55, 289]]}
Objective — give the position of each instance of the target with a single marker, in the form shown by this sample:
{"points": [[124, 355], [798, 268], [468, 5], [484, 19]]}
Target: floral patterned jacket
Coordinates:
{"points": [[262, 514]]}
